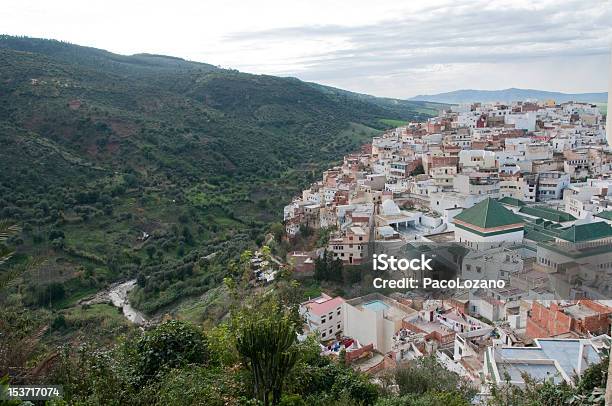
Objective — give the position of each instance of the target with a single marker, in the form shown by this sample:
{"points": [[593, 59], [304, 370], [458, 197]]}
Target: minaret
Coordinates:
{"points": [[609, 118]]}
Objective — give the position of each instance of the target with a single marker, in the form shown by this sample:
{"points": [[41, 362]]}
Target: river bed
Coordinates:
{"points": [[117, 295]]}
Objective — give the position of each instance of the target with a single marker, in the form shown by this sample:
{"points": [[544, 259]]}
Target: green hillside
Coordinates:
{"points": [[99, 148]]}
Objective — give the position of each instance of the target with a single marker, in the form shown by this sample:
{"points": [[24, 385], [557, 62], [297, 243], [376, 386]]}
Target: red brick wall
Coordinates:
{"points": [[547, 322], [353, 355], [597, 324]]}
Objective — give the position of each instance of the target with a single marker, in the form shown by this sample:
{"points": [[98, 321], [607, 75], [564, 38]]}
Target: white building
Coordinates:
{"points": [[323, 316]]}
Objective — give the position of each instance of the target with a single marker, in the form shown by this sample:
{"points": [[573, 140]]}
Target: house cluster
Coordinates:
{"points": [[523, 192], [373, 333], [541, 159]]}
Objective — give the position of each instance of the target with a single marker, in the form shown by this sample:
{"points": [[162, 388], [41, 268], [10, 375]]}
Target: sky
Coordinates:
{"points": [[397, 48]]}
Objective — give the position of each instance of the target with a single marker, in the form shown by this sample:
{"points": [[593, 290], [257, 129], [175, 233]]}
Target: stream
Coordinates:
{"points": [[118, 296]]}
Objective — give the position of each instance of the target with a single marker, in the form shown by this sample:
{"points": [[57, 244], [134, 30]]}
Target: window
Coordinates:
{"points": [[323, 335]]}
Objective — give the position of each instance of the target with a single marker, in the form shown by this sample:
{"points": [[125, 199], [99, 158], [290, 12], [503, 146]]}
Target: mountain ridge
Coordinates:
{"points": [[99, 148], [509, 95]]}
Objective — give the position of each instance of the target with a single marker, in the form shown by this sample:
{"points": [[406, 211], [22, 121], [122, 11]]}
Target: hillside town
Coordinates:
{"points": [[526, 189]]}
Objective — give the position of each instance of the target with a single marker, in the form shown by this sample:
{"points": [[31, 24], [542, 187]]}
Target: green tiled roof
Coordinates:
{"points": [[586, 232], [511, 201], [547, 213], [488, 214], [541, 230], [605, 215], [537, 236]]}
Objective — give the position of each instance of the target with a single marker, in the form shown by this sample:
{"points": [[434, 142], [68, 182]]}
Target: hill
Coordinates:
{"points": [[121, 166], [509, 95]]}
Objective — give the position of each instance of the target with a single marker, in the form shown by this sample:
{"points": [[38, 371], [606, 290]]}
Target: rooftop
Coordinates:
{"points": [[586, 232], [510, 201], [446, 236], [579, 311], [375, 302], [430, 326], [566, 358], [607, 215], [488, 214], [547, 213], [323, 304]]}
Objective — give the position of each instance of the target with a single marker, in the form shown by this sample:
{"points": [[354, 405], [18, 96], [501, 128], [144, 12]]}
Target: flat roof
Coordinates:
{"points": [[566, 352], [447, 236], [430, 326], [358, 230], [392, 309], [579, 311], [538, 371]]}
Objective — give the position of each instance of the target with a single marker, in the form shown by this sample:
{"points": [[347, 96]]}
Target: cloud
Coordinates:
{"points": [[383, 47], [438, 38]]}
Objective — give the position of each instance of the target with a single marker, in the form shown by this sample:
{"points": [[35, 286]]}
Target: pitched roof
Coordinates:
{"points": [[586, 232], [605, 215], [547, 213], [488, 214], [511, 201]]}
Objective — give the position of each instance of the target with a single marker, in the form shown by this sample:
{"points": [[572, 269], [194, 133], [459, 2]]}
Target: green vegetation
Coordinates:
{"points": [[99, 149], [267, 346], [393, 123], [164, 171], [251, 358], [117, 167], [150, 168], [587, 391]]}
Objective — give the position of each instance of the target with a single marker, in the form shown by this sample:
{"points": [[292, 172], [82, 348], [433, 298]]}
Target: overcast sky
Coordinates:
{"points": [[386, 48]]}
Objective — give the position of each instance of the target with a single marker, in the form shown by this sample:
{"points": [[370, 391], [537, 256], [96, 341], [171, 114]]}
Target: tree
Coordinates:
{"points": [[141, 280], [278, 230], [588, 390], [327, 268], [187, 236], [266, 342], [266, 253], [151, 251], [172, 344], [428, 375]]}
